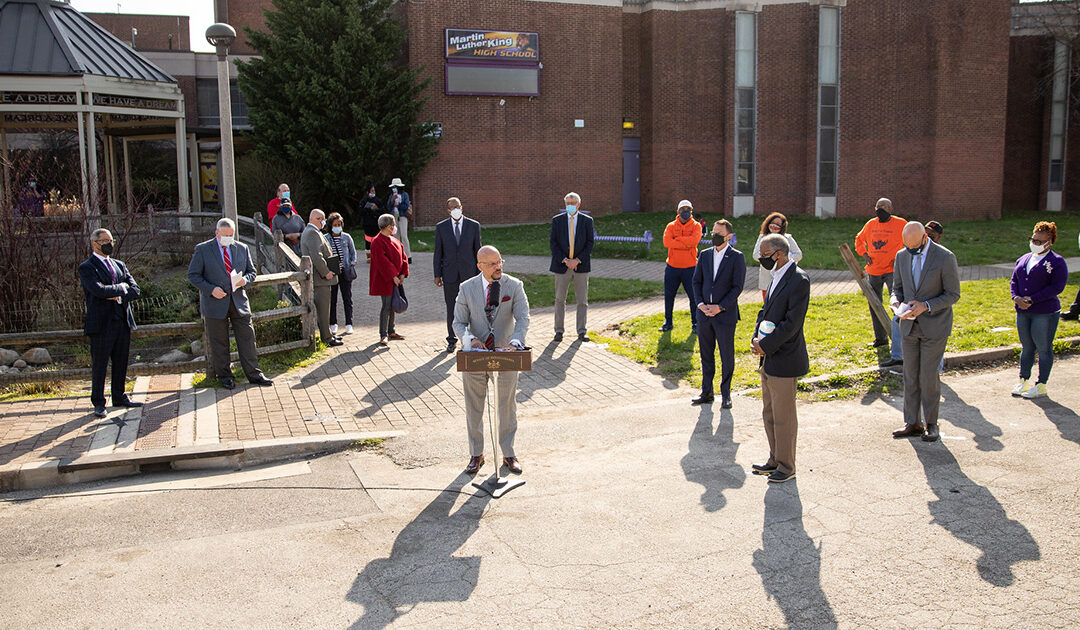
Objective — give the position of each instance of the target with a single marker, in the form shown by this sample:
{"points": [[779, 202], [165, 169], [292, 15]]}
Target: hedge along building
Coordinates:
{"points": [[813, 107], [60, 70]]}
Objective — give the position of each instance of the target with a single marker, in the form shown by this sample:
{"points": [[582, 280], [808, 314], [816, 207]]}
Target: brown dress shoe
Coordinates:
{"points": [[395, 336], [513, 464], [474, 465], [932, 433], [909, 430]]}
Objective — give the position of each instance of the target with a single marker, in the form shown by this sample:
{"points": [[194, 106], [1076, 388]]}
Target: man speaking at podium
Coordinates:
{"points": [[491, 313]]}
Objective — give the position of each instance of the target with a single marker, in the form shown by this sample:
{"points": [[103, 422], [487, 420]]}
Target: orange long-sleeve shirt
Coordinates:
{"points": [[682, 241], [880, 241]]}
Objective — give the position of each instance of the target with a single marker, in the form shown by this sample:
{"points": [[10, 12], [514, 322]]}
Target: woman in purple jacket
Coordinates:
{"points": [[1037, 280]]}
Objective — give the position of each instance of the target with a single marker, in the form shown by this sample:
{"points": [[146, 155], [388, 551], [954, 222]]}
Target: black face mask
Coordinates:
{"points": [[107, 249], [685, 215], [883, 215], [915, 251], [767, 262], [718, 240]]}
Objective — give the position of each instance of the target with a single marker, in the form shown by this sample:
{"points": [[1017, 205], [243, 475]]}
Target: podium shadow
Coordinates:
{"points": [[547, 371], [710, 459], [421, 566], [788, 562]]}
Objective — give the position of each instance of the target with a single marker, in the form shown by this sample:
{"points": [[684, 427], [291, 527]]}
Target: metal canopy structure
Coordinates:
{"points": [[60, 70]]}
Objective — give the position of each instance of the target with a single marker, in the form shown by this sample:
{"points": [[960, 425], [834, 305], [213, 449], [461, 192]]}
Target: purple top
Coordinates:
{"points": [[1043, 285]]}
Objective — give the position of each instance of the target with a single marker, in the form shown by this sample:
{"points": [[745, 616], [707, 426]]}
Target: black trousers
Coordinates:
{"points": [[450, 293], [711, 333], [1075, 308], [876, 282], [112, 343], [345, 286]]}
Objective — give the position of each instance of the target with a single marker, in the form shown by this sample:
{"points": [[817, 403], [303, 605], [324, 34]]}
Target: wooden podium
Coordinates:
{"points": [[489, 362]]}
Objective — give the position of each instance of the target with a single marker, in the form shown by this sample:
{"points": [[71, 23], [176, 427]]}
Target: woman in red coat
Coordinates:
{"points": [[389, 267]]}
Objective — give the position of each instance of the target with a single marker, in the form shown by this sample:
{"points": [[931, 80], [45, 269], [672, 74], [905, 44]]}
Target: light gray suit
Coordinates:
{"points": [[314, 246], [925, 337], [511, 322]]}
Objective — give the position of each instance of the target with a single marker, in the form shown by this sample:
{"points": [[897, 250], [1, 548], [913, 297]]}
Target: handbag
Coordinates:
{"points": [[399, 302], [349, 273]]}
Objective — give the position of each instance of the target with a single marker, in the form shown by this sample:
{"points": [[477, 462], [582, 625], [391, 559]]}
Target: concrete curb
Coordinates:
{"points": [[46, 473]]}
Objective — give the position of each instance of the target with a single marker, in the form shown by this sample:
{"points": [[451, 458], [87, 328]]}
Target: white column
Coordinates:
{"points": [[193, 170], [91, 147], [6, 165], [80, 118], [1059, 127], [110, 174], [745, 157], [127, 178], [182, 169]]}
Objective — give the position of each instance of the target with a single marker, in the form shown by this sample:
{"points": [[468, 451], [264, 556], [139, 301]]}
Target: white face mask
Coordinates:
{"points": [[1037, 249], [456, 214], [393, 232], [226, 240]]}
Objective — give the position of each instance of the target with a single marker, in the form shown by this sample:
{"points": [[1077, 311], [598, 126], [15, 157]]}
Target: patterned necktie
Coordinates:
{"points": [[457, 232], [228, 261], [112, 272], [492, 302]]}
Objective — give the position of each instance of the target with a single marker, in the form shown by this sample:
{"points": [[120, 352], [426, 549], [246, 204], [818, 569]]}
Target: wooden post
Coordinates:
{"points": [[876, 307], [206, 351], [309, 321], [256, 222]]}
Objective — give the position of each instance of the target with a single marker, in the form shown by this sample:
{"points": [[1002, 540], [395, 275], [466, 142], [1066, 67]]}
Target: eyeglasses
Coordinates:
{"points": [[496, 263], [106, 242], [1036, 241]]}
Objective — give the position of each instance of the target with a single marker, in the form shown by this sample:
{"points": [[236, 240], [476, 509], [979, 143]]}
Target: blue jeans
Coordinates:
{"points": [[673, 277], [1037, 335]]}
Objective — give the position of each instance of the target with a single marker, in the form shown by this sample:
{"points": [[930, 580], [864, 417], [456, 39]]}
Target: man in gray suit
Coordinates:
{"points": [[491, 312], [211, 271], [313, 245], [926, 283]]}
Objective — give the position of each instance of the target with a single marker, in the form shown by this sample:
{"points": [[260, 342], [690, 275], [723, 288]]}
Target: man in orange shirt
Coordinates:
{"points": [[878, 242], [681, 238]]}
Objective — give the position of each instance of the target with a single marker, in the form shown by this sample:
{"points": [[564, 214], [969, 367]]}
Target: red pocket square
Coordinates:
{"points": [[506, 298]]}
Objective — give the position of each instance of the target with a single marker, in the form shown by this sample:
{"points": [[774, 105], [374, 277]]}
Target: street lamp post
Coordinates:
{"points": [[221, 36]]}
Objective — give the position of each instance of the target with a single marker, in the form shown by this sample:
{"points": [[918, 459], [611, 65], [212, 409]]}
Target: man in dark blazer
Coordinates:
{"points": [[926, 279], [778, 340], [718, 281], [571, 261], [215, 267], [109, 290], [457, 239]]}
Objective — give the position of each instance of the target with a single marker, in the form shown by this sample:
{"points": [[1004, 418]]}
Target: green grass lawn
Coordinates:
{"points": [[541, 289], [837, 330], [973, 242]]}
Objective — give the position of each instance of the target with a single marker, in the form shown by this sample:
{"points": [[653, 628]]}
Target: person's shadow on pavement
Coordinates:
{"points": [[971, 418], [421, 566], [972, 514], [547, 371], [408, 385], [788, 562], [710, 460], [1066, 420]]}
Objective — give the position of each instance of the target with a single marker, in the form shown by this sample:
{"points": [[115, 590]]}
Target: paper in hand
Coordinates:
{"points": [[236, 277], [901, 309]]}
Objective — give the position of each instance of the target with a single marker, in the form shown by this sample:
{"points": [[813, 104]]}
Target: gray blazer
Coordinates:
{"points": [[511, 318], [314, 245], [207, 270], [939, 287]]}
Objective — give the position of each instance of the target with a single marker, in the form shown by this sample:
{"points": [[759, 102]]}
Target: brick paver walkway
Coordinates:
{"points": [[362, 386]]}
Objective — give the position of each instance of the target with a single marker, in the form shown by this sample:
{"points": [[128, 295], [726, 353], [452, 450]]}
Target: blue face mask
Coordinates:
{"points": [[336, 230], [394, 190], [571, 210], [285, 195]]}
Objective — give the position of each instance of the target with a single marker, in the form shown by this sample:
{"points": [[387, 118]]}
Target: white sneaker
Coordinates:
{"points": [[348, 329], [1020, 388], [333, 329], [1038, 390]]}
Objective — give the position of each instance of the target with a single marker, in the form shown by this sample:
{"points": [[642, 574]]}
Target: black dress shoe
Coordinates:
{"points": [[99, 412], [665, 328], [878, 343], [726, 402], [127, 402], [450, 347], [228, 383], [1069, 316], [763, 469], [334, 342], [583, 337], [703, 399], [261, 381], [778, 477], [891, 363], [909, 430], [932, 433], [557, 337]]}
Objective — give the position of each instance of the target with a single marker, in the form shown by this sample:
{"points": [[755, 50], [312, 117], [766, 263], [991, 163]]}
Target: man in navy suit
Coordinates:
{"points": [[571, 260], [211, 271], [718, 281], [109, 290], [783, 354], [457, 240]]}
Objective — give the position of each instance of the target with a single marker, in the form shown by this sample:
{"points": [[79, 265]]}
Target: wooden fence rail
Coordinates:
{"points": [[305, 310]]}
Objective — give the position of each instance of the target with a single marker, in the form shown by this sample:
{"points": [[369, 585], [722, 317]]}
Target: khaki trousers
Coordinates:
{"points": [[581, 294], [322, 311], [476, 389], [781, 421]]}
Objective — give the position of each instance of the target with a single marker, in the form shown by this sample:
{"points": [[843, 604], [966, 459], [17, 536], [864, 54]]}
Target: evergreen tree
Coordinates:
{"points": [[331, 96]]}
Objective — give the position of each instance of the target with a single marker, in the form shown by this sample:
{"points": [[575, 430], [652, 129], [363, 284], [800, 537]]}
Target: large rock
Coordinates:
{"points": [[20, 364], [37, 356], [7, 357], [174, 356], [196, 347]]}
